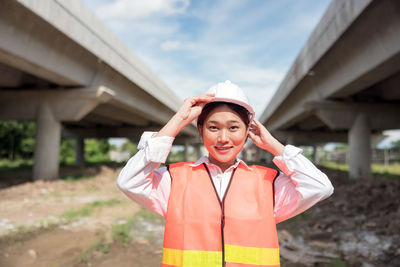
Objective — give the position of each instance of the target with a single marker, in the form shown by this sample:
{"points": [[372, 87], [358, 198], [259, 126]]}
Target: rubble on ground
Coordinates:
{"points": [[359, 223]]}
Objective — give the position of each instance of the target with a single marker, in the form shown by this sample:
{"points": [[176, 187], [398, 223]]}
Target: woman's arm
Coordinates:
{"points": [[141, 180], [301, 184], [190, 110], [264, 140]]}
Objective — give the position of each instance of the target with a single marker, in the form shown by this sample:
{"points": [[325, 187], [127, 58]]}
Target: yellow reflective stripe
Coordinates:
{"points": [[191, 258], [251, 255]]}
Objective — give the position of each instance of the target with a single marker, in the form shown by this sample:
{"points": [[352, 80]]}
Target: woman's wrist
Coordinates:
{"points": [[172, 128], [276, 148]]}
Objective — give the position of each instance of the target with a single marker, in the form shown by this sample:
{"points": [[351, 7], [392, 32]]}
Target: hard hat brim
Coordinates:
{"points": [[237, 102]]}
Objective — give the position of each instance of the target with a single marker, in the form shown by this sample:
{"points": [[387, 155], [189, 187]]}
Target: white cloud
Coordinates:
{"points": [[246, 73], [392, 135], [259, 84], [216, 40], [259, 96], [186, 85], [175, 45], [131, 10]]}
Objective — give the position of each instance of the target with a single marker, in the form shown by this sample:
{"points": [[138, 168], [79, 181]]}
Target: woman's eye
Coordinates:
{"points": [[212, 127], [234, 127]]}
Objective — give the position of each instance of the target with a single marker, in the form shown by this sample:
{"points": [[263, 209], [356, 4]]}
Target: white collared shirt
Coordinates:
{"points": [[219, 178], [298, 187]]}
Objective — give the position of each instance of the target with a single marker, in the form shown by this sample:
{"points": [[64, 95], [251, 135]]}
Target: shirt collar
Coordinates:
{"points": [[205, 159]]}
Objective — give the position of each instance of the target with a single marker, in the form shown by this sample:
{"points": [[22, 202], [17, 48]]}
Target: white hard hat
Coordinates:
{"points": [[231, 93]]}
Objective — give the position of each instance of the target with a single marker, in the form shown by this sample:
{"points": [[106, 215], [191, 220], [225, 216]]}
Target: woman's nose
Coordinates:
{"points": [[223, 136]]}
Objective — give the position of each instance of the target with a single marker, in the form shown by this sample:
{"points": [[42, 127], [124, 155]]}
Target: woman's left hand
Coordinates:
{"points": [[263, 139]]}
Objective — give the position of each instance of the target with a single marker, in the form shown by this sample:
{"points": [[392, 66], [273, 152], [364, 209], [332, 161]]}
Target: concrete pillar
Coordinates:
{"points": [[257, 155], [244, 154], [48, 134], [186, 152], [263, 155], [314, 157], [360, 147], [198, 151], [386, 157], [80, 152]]}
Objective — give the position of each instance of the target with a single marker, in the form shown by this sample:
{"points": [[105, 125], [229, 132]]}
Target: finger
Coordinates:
{"points": [[254, 128], [252, 135], [204, 98], [257, 122], [260, 126]]}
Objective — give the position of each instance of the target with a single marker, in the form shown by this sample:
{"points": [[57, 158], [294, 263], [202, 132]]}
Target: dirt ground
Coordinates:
{"points": [[90, 222]]}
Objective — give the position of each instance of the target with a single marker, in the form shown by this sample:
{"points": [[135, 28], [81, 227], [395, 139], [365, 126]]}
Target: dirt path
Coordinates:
{"points": [[62, 223]]}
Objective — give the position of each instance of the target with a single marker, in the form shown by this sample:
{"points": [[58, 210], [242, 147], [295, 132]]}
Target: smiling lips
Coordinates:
{"points": [[223, 149]]}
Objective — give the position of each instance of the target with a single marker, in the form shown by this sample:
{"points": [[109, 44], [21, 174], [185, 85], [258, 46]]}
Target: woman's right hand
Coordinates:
{"points": [[192, 107], [189, 111]]}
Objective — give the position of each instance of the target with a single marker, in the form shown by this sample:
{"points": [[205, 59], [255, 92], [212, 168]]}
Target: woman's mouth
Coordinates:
{"points": [[223, 149]]}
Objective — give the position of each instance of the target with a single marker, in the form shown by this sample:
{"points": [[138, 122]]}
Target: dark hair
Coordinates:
{"points": [[243, 113]]}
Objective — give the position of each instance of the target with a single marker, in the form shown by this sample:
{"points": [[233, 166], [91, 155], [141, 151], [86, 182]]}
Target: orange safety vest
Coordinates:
{"points": [[202, 231]]}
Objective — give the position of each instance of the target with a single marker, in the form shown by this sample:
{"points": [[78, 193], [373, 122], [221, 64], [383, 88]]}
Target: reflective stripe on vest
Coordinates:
{"points": [[202, 231], [238, 254]]}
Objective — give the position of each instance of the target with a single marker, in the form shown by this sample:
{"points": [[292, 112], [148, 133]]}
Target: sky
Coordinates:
{"points": [[192, 44]]}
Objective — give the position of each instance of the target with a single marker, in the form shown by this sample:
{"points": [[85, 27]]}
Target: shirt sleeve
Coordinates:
{"points": [[299, 185], [142, 180]]}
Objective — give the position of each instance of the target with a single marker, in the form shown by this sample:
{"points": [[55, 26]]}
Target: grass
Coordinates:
{"points": [[378, 170], [88, 209], [53, 222], [8, 166], [337, 263], [109, 163], [99, 245], [123, 232], [148, 215], [23, 232], [76, 177]]}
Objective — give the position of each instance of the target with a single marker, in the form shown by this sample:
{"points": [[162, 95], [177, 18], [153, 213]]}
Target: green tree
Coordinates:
{"points": [[17, 139], [67, 151], [339, 147], [129, 146], [395, 144], [96, 150], [176, 156]]}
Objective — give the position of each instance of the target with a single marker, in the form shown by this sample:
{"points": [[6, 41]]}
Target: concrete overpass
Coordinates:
{"points": [[61, 67], [344, 84]]}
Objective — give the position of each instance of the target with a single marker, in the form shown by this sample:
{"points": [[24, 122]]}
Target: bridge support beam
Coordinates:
{"points": [[186, 152], [360, 147], [80, 152], [197, 148], [315, 154], [49, 108], [48, 133]]}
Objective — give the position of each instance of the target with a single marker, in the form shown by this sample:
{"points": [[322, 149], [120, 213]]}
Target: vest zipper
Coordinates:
{"points": [[222, 204]]}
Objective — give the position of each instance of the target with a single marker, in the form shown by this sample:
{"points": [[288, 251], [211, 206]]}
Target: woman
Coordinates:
{"points": [[220, 211]]}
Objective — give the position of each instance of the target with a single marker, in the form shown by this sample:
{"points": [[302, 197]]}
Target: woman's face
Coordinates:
{"points": [[224, 134]]}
